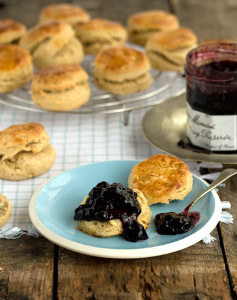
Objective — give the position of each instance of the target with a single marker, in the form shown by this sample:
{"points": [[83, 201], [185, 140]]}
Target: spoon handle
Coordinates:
{"points": [[227, 173]]}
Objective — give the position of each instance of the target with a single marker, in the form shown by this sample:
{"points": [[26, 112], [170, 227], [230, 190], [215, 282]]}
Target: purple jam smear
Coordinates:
{"points": [[107, 202], [172, 223]]}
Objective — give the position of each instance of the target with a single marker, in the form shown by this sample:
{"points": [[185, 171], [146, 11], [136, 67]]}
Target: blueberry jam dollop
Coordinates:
{"points": [[172, 223], [113, 201]]}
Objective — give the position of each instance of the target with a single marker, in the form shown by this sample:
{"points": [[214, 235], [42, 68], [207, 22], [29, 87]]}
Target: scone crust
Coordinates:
{"points": [[64, 12], [161, 178], [10, 31], [5, 210], [99, 24], [114, 227]]}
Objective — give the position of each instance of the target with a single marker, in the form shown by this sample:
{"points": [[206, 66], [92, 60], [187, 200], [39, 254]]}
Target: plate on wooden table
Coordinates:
{"points": [[52, 208], [164, 126]]}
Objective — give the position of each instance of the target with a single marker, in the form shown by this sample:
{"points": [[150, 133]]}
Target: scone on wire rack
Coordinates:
{"points": [[161, 178], [11, 31], [98, 34], [60, 88], [25, 151], [5, 210], [52, 43], [167, 50], [16, 68], [65, 12], [122, 71], [143, 24]]}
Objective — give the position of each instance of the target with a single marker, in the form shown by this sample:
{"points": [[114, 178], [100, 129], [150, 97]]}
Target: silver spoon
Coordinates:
{"points": [[227, 173]]}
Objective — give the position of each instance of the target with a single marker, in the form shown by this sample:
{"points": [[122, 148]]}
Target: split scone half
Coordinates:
{"points": [[167, 50], [64, 12], [16, 68], [161, 178], [5, 210], [114, 227], [52, 43], [60, 88], [25, 151], [143, 24], [98, 34], [122, 70], [11, 31]]}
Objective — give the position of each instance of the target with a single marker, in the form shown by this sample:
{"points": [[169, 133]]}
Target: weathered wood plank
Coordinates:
{"points": [[194, 273], [208, 19], [26, 268]]}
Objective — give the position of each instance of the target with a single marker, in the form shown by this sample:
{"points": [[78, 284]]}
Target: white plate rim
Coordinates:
{"points": [[123, 253]]}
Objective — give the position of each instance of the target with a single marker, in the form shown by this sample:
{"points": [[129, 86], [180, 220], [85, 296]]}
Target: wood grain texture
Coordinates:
{"points": [[194, 273], [26, 268], [229, 232], [208, 19]]}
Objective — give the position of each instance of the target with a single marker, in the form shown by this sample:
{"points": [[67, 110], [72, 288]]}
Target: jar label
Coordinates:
{"points": [[212, 132]]}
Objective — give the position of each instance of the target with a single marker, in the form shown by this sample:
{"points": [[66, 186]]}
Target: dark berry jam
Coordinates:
{"points": [[107, 202], [172, 223]]}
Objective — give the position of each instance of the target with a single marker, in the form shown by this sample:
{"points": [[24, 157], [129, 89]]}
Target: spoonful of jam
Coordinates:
{"points": [[177, 223]]}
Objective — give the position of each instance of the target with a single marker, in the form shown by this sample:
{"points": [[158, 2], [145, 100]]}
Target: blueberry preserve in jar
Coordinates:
{"points": [[211, 78]]}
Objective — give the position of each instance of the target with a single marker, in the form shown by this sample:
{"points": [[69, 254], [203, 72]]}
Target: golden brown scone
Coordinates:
{"points": [[60, 88], [25, 151], [167, 50], [52, 43], [114, 227], [15, 67], [216, 41], [99, 34], [11, 31], [161, 178], [142, 25], [122, 70], [64, 12], [5, 210]]}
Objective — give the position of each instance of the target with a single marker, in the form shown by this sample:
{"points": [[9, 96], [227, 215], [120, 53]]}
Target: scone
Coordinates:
{"points": [[51, 44], [161, 178], [25, 151], [11, 31], [5, 210], [98, 34], [167, 50], [60, 88], [122, 71], [114, 227], [64, 12], [15, 67], [142, 25]]}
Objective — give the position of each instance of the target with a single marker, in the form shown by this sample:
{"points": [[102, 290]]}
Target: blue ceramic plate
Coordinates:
{"points": [[52, 208]]}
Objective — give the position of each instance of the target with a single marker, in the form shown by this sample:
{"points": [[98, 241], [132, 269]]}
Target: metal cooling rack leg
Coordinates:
{"points": [[126, 117]]}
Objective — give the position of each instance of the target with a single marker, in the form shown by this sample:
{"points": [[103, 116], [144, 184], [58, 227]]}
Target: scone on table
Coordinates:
{"points": [[122, 70], [16, 67], [60, 88], [167, 50], [11, 31], [63, 12], [52, 43], [5, 210], [98, 34], [161, 178], [25, 151], [143, 24]]}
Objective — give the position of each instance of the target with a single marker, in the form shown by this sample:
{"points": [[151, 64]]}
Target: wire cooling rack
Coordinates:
{"points": [[102, 102]]}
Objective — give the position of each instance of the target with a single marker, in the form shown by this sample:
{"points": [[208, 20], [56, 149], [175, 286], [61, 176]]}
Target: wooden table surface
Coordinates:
{"points": [[34, 268]]}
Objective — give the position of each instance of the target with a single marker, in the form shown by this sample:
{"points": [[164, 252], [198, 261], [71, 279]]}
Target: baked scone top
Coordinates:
{"points": [[64, 12], [10, 30], [60, 77], [100, 24], [159, 175], [179, 38], [121, 60], [13, 57], [23, 137], [153, 19]]}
